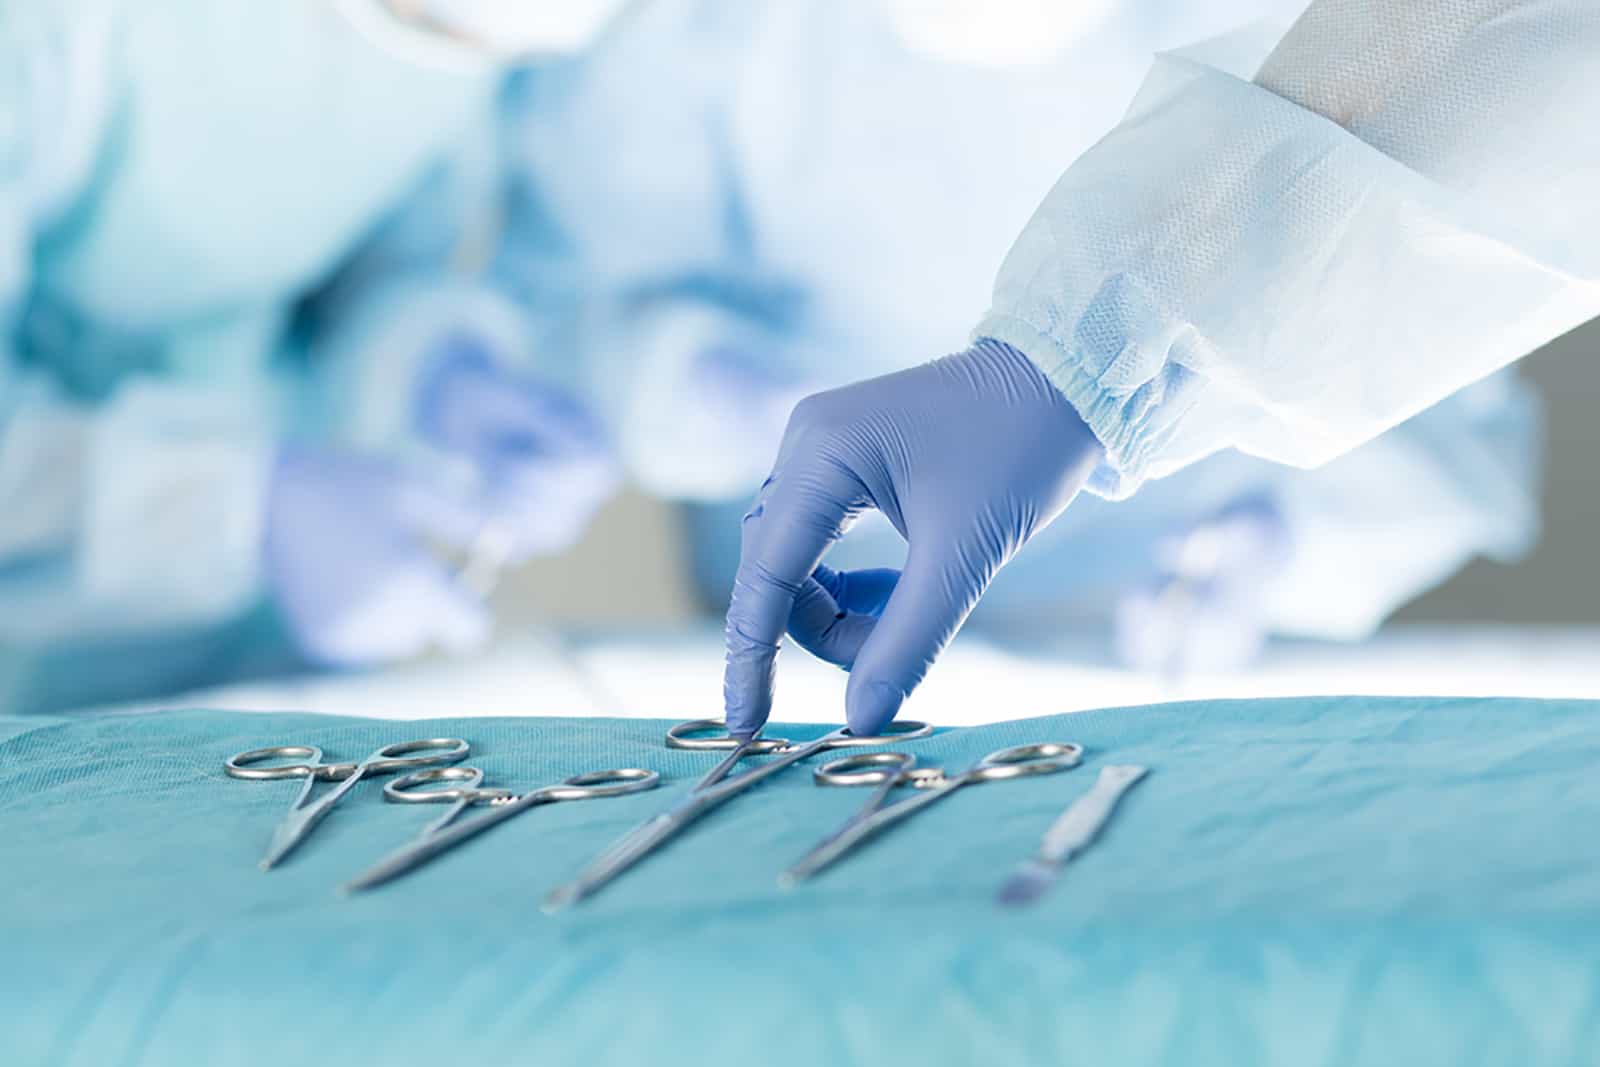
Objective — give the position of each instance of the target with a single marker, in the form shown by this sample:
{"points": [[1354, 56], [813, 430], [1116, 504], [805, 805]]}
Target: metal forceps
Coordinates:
{"points": [[303, 815], [440, 836], [710, 792], [887, 770]]}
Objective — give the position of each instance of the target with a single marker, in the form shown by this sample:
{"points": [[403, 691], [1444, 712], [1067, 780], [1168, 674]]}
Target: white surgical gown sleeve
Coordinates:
{"points": [[147, 505], [1400, 202]]}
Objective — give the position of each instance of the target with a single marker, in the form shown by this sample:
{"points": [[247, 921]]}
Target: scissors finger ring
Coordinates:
{"points": [[242, 764], [690, 735]]}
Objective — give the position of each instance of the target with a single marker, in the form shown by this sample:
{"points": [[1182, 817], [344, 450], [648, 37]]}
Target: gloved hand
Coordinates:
{"points": [[349, 564], [1206, 610], [352, 541], [968, 456], [542, 462]]}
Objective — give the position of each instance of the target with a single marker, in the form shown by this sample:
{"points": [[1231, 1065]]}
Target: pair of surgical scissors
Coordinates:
{"points": [[710, 792], [888, 770], [303, 814], [440, 836]]}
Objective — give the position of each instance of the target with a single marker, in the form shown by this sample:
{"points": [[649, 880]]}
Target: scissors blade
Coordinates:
{"points": [[289, 833], [715, 788], [429, 845], [302, 819], [820, 854], [609, 865], [839, 844], [403, 860]]}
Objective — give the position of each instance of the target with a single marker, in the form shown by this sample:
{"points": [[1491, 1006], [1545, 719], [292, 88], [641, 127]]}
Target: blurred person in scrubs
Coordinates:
{"points": [[220, 449], [766, 200]]}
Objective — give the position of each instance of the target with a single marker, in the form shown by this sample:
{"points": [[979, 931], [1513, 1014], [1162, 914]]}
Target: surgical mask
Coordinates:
{"points": [[462, 32], [994, 33], [511, 27]]}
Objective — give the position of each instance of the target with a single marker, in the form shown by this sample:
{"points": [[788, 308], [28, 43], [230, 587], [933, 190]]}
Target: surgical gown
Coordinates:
{"points": [[175, 178], [1289, 258], [792, 190]]}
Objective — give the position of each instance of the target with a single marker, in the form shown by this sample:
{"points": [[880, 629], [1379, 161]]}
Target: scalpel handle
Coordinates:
{"points": [[1076, 827]]}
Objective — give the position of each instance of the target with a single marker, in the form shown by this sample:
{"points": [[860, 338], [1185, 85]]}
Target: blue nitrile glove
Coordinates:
{"points": [[968, 456], [355, 542], [1206, 610], [349, 564], [543, 463]]}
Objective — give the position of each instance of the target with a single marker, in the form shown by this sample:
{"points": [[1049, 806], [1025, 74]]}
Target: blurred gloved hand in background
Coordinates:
{"points": [[968, 456], [355, 543], [542, 463], [1207, 610], [349, 565]]}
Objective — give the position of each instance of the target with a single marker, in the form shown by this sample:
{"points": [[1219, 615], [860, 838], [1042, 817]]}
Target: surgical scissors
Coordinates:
{"points": [[440, 836], [887, 770], [304, 815], [711, 791]]}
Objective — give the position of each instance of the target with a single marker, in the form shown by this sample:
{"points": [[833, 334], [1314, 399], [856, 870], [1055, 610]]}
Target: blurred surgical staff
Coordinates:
{"points": [[765, 200], [1280, 258], [216, 449]]}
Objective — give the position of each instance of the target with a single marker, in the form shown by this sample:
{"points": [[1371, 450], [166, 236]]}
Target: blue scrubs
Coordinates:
{"points": [[175, 178]]}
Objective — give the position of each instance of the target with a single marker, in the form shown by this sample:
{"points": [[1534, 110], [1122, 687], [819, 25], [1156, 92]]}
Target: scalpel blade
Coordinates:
{"points": [[1070, 834]]}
